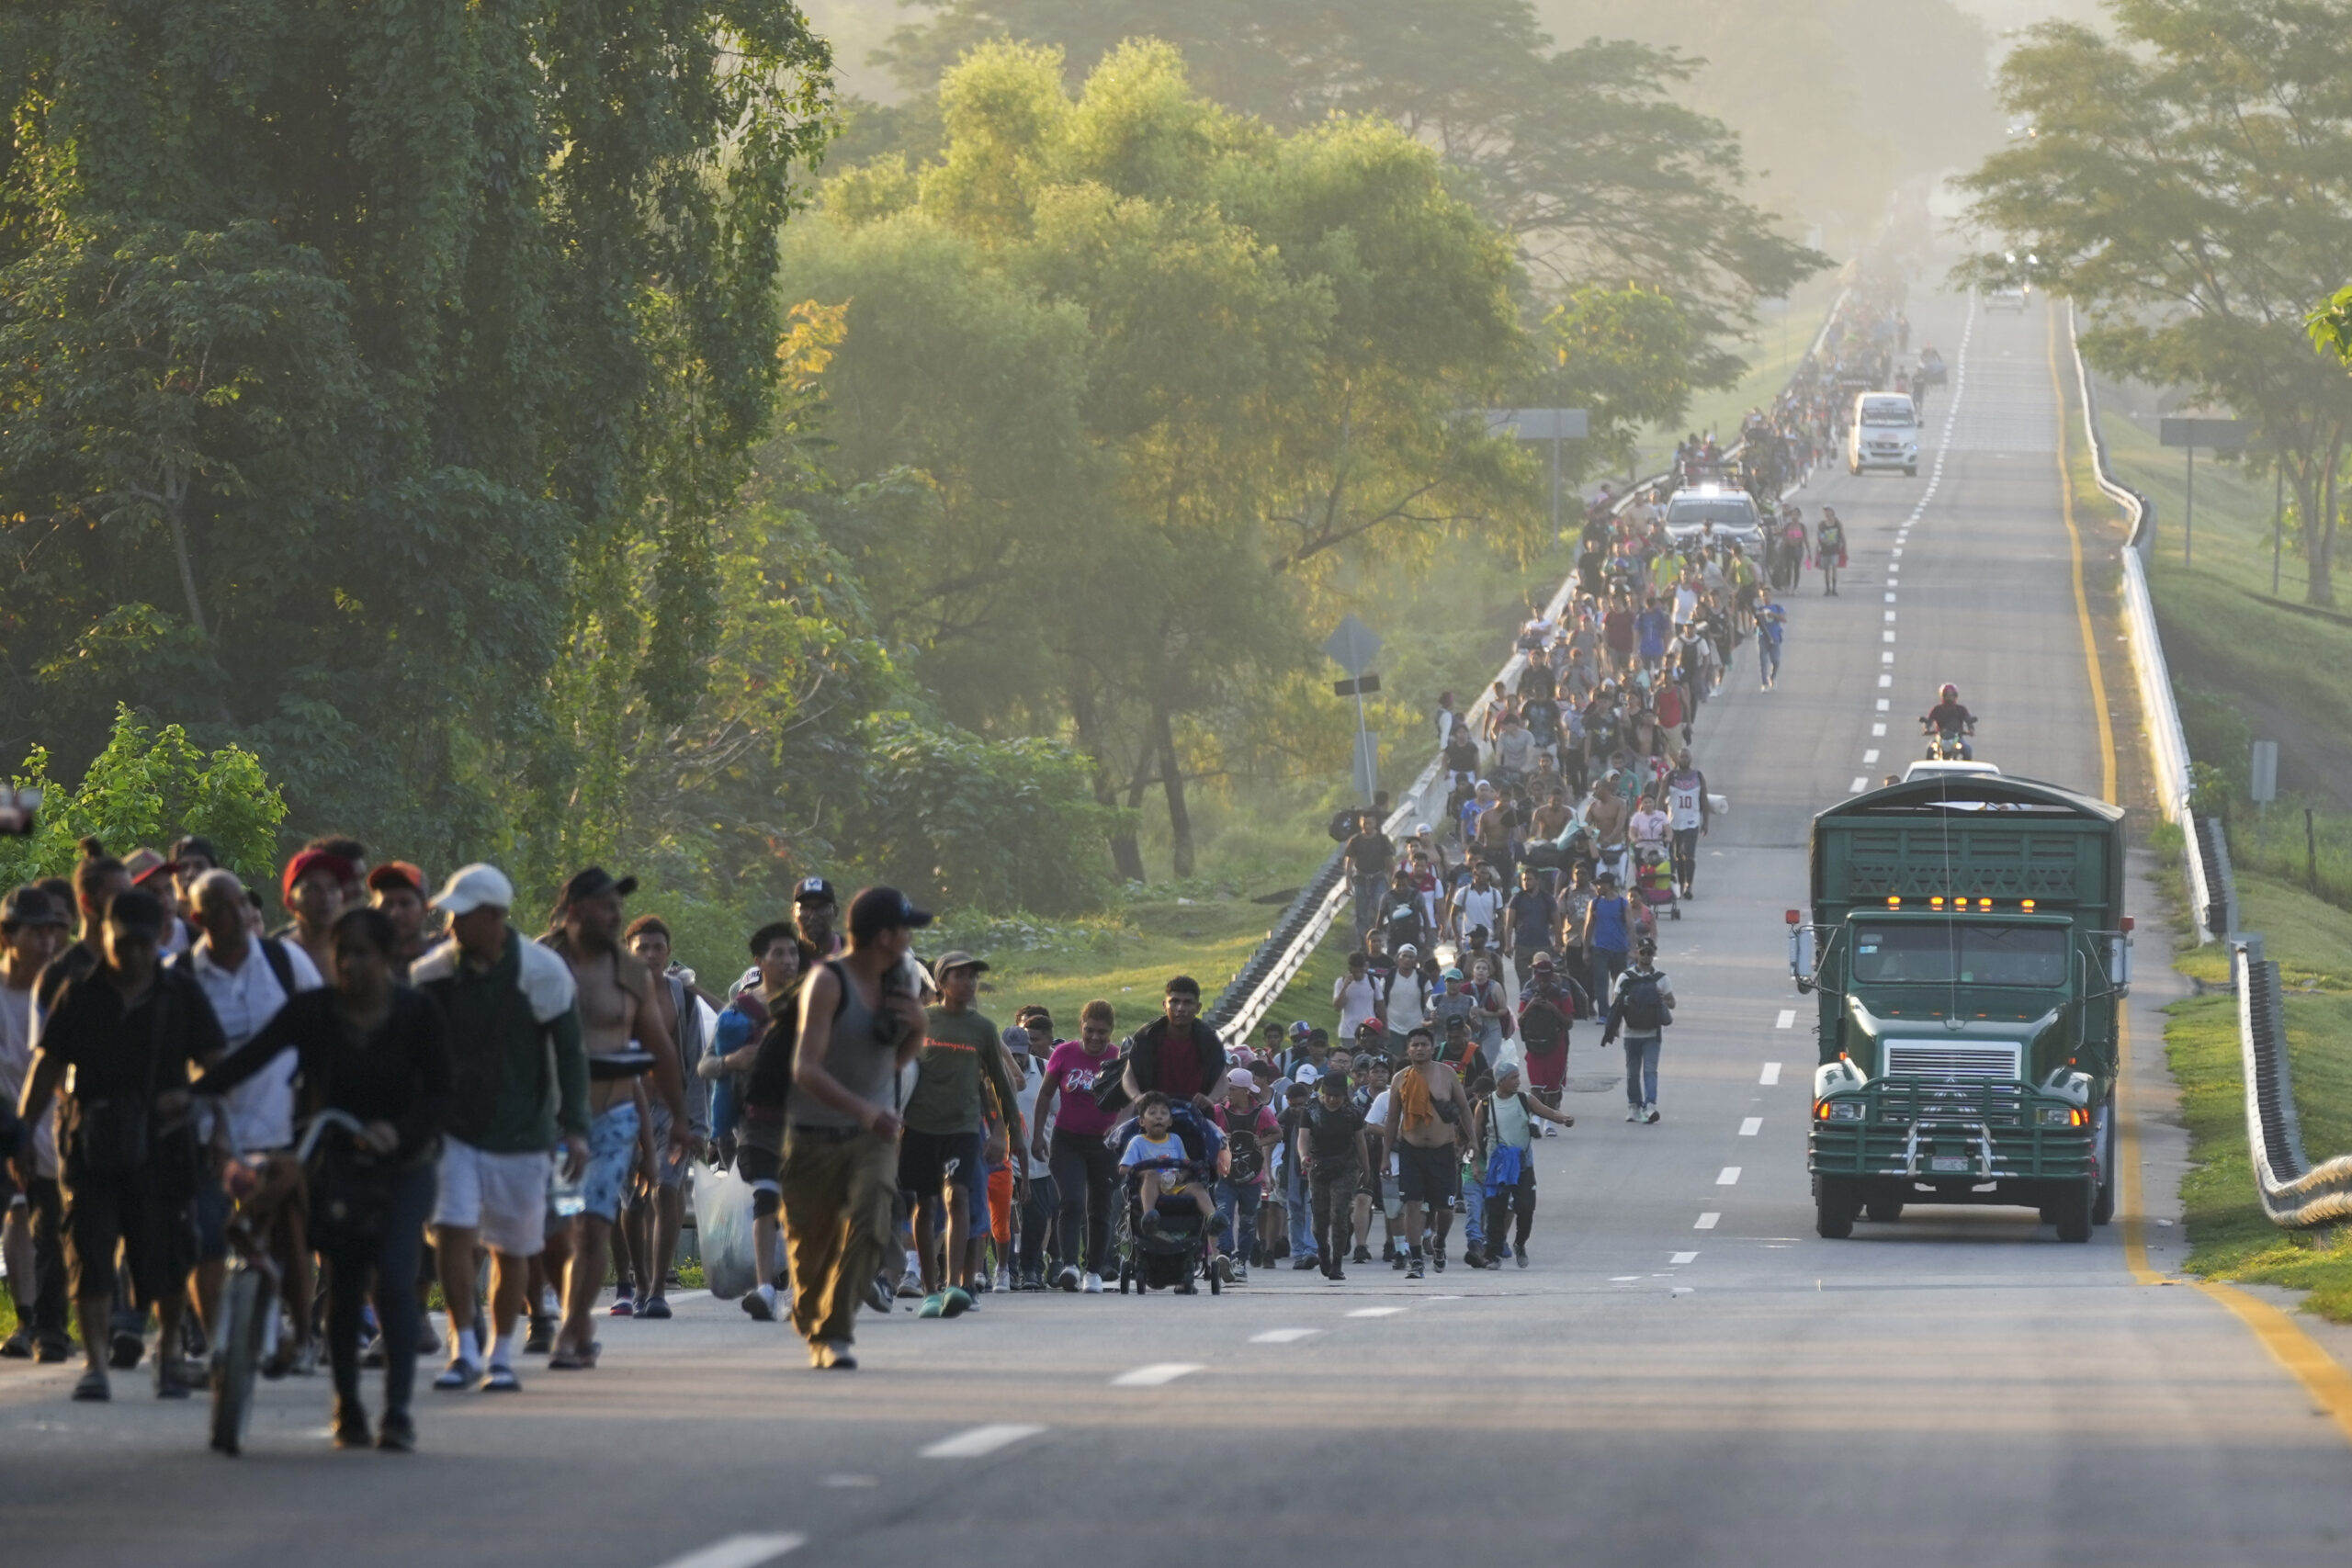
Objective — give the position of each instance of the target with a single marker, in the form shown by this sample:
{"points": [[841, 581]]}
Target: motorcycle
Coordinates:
{"points": [[1949, 745]]}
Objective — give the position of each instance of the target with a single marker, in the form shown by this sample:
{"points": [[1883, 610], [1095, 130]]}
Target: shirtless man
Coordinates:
{"points": [[1429, 1126], [1606, 815], [617, 1007], [1551, 818]]}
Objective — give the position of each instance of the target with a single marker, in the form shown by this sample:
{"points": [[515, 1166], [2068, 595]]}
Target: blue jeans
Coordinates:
{"points": [[1297, 1202], [1237, 1201], [1768, 660], [1641, 1070]]}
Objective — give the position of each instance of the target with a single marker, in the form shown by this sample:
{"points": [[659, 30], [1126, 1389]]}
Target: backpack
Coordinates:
{"points": [[1249, 1155], [1643, 1009]]}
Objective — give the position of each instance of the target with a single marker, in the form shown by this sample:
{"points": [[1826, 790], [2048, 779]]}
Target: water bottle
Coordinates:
{"points": [[570, 1196]]}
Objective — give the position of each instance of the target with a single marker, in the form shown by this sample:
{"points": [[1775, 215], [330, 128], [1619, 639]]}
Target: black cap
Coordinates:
{"points": [[30, 906], [591, 882], [815, 890], [765, 938], [194, 844], [878, 910]]}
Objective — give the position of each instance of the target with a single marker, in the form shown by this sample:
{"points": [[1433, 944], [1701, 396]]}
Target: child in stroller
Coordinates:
{"points": [[1168, 1161]]}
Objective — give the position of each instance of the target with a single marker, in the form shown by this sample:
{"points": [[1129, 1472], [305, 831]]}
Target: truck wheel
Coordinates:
{"points": [[1884, 1209], [1834, 1206], [2071, 1210]]}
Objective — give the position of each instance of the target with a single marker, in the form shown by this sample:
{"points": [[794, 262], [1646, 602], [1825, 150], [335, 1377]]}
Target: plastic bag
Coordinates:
{"points": [[723, 1230]]}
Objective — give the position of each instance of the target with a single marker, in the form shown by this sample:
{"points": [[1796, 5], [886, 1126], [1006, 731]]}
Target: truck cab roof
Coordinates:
{"points": [[1926, 768]]}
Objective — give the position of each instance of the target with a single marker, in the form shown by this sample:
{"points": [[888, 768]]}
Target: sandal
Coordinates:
{"points": [[576, 1361]]}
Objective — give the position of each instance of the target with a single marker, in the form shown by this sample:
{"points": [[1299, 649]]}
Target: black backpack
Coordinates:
{"points": [[1643, 1009], [1249, 1156]]}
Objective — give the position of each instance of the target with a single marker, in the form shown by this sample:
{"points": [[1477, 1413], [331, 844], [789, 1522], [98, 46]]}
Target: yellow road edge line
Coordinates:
{"points": [[2320, 1374]]}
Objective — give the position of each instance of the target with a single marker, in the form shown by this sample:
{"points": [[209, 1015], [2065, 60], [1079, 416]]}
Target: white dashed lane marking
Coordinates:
{"points": [[1375, 1312], [740, 1552], [1681, 1257], [1751, 1125], [1730, 1177], [1869, 758], [1707, 1222], [1788, 1019], [1860, 785], [1156, 1374], [1771, 1071], [979, 1442], [1284, 1336]]}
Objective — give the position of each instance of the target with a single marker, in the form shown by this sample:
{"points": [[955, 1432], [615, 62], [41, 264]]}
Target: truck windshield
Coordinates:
{"points": [[1965, 952], [1895, 411], [1691, 513]]}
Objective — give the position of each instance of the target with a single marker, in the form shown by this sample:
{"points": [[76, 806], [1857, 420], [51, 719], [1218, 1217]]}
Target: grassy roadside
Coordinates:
{"points": [[2229, 1238]]}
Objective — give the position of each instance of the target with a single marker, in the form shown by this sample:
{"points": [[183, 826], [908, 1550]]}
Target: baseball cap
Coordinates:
{"points": [[1541, 961], [956, 960], [341, 870], [1242, 1078], [1300, 1030], [590, 881], [1421, 828], [1452, 974], [194, 844], [878, 909], [1405, 947], [143, 863], [814, 890], [30, 906], [477, 887], [1305, 1074], [397, 873]]}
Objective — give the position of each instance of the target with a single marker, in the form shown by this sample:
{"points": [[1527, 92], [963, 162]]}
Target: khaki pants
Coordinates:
{"points": [[837, 1206]]}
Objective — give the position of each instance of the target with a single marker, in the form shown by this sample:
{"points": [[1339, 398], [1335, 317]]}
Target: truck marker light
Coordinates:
{"points": [[2027, 906], [1895, 900], [1937, 902], [2127, 925], [1792, 917], [1984, 904]]}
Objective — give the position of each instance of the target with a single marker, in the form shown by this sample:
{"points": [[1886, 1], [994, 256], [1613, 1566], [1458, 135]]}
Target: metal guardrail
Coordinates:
{"points": [[2167, 743], [1309, 917], [2295, 1193]]}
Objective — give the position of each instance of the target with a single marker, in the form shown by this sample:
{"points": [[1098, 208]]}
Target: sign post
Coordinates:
{"points": [[2262, 787], [1553, 426], [2222, 435], [1352, 646]]}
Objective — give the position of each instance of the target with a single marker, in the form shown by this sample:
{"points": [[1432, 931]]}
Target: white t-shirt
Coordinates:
{"points": [[1357, 1000], [15, 1065], [261, 1108], [1407, 1007], [1478, 906], [1375, 1117]]}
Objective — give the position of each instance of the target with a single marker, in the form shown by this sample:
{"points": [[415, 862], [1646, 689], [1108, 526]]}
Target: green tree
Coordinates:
{"points": [[2189, 182], [148, 787], [1624, 356]]}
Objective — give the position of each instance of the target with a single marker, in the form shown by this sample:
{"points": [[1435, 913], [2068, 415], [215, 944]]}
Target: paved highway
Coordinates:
{"points": [[1686, 1376]]}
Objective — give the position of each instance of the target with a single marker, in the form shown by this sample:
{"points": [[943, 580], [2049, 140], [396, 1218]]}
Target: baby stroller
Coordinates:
{"points": [[1653, 882], [1178, 1251]]}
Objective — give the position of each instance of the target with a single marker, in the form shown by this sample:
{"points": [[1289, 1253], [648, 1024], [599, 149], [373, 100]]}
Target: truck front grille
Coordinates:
{"points": [[1951, 1059]]}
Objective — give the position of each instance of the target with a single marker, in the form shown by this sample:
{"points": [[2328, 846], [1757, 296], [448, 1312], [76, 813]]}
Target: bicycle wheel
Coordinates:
{"points": [[246, 1301]]}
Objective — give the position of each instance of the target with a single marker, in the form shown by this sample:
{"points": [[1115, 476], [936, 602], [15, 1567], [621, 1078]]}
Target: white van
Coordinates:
{"points": [[1886, 433]]}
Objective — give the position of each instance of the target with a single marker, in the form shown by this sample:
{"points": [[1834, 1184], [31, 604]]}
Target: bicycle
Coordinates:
{"points": [[249, 1295]]}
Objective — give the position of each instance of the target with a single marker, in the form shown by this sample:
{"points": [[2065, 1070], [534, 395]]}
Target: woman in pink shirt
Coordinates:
{"points": [[1086, 1171]]}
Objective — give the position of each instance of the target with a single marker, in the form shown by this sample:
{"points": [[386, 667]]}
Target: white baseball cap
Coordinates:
{"points": [[479, 885], [1305, 1074]]}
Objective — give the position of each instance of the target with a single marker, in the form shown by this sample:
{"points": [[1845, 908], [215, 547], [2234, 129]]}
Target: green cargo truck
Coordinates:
{"points": [[1970, 951]]}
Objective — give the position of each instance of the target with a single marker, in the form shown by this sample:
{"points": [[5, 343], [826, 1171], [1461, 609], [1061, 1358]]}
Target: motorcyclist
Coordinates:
{"points": [[1948, 717]]}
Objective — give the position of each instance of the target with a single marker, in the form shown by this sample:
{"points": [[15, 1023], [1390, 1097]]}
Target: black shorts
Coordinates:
{"points": [[922, 1163], [1428, 1176], [758, 1166], [155, 1233]]}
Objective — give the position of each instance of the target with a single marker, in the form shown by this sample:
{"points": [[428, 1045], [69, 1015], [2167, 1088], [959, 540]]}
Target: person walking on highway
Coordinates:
{"points": [[1608, 936], [1427, 1125], [1084, 1171], [1830, 549], [1771, 621], [1642, 1009], [1507, 1119], [859, 1031], [1689, 817]]}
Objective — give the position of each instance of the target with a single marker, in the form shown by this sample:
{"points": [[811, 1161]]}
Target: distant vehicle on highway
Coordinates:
{"points": [[1732, 511], [1923, 769], [1884, 433], [2007, 297]]}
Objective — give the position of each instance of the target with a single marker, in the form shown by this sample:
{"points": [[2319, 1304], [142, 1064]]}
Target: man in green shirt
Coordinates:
{"points": [[945, 1125]]}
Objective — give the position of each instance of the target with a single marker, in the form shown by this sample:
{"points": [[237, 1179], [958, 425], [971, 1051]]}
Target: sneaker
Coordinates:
{"points": [[1649, 1114], [1413, 1266], [50, 1352], [17, 1347], [124, 1349], [956, 1301], [373, 1356], [1004, 1280], [1474, 1259], [622, 1308], [169, 1384], [1030, 1279], [458, 1377], [1092, 1285], [1437, 1257], [910, 1284], [306, 1360], [1240, 1273], [1519, 1258], [933, 1305], [1309, 1260], [831, 1356], [1634, 1114], [1396, 1260], [94, 1389], [351, 1428], [1363, 1254], [541, 1338], [1221, 1269], [396, 1434], [1065, 1278], [757, 1307], [879, 1296], [654, 1307]]}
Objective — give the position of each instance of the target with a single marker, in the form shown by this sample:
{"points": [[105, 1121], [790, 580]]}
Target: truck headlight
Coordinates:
{"points": [[1837, 1110], [2061, 1116]]}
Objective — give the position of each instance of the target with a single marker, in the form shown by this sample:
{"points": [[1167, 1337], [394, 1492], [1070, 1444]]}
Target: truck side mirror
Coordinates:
{"points": [[2119, 963], [1802, 957]]}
